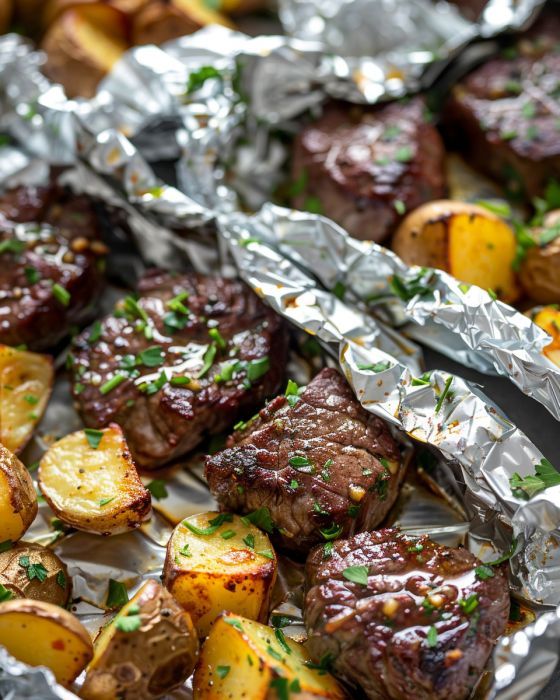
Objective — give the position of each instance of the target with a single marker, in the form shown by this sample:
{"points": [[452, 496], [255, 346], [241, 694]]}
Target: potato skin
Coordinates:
{"points": [[149, 661], [55, 589], [18, 500], [96, 490], [540, 269], [42, 634]]}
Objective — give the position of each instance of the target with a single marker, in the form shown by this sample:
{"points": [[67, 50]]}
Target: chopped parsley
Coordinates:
{"points": [[213, 524], [526, 487], [376, 367], [112, 383], [198, 77], [469, 604], [32, 275], [331, 532], [5, 594], [261, 518], [292, 392], [157, 488], [93, 437], [152, 356], [62, 295], [443, 394], [208, 360], [33, 571], [222, 671], [250, 540], [483, 572], [356, 574], [117, 595], [432, 637], [301, 463], [106, 501]]}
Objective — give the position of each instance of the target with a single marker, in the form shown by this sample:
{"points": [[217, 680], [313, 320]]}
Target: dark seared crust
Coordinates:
{"points": [[172, 421], [505, 113], [359, 162], [30, 312], [328, 427], [383, 647]]}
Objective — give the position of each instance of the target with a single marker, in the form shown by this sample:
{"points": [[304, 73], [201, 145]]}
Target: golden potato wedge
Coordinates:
{"points": [[548, 318], [244, 659], [32, 571], [82, 45], [466, 240], [52, 9], [26, 380], [150, 648], [89, 480], [42, 634], [540, 269], [219, 562], [163, 20], [18, 500]]}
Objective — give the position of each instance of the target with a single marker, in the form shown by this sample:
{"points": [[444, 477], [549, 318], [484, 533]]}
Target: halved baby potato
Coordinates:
{"points": [[42, 634], [89, 480], [32, 571], [26, 380], [468, 241], [548, 318], [216, 562], [18, 500], [244, 659], [149, 648]]}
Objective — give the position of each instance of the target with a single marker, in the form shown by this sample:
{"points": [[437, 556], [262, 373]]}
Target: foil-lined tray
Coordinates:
{"points": [[477, 448]]}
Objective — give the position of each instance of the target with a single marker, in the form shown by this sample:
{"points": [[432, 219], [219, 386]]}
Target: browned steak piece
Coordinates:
{"points": [[505, 115], [403, 617], [47, 283], [187, 359], [25, 203], [365, 168], [321, 464]]}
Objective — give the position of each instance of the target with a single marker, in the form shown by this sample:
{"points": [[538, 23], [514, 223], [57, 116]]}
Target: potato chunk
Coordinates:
{"points": [[244, 659], [147, 650], [42, 634], [468, 241], [219, 562], [18, 500], [33, 571], [548, 318], [89, 480], [26, 380]]}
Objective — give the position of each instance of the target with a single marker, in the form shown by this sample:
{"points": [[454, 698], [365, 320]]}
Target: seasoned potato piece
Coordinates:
{"points": [[18, 500], [540, 268], [147, 650], [244, 659], [468, 241], [42, 634], [548, 318], [32, 571], [89, 479], [26, 380], [219, 562]]}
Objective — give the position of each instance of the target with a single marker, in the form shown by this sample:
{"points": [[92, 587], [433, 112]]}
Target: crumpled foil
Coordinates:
{"points": [[479, 447]]}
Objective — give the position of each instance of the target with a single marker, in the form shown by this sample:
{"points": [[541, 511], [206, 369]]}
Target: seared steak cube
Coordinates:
{"points": [[403, 617], [185, 360], [322, 465], [366, 168]]}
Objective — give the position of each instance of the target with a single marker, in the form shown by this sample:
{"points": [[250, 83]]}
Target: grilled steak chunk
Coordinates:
{"points": [[505, 113], [321, 464], [186, 360], [403, 617], [365, 168], [47, 283]]}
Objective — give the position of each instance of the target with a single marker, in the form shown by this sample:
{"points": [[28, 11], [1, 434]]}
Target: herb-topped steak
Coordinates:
{"points": [[403, 617], [47, 283], [186, 359], [322, 465], [506, 114], [366, 168]]}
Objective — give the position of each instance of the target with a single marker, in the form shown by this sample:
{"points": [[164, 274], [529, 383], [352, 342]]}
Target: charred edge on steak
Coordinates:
{"points": [[321, 464], [366, 168], [404, 617], [187, 359]]}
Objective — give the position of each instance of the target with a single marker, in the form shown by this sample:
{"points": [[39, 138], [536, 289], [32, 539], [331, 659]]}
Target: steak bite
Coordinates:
{"points": [[404, 617], [365, 168], [185, 360], [505, 113], [47, 283], [322, 465]]}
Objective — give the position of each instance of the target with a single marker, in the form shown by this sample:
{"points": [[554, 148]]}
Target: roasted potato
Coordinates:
{"points": [[241, 7], [548, 318], [52, 9], [468, 241], [18, 500], [219, 562], [42, 634], [147, 650], [244, 659], [82, 45], [26, 380], [89, 480], [163, 20], [540, 268], [32, 571]]}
